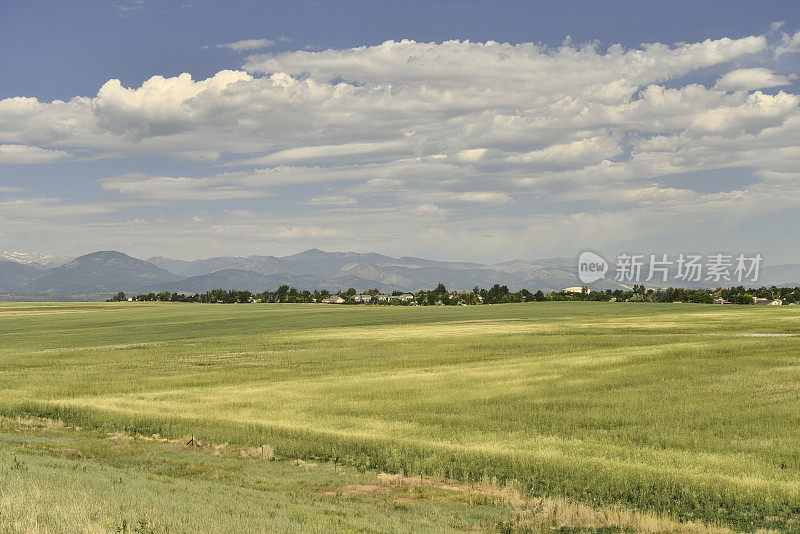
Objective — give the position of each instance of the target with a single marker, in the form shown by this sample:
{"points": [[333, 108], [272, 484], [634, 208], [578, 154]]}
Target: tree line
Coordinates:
{"points": [[497, 294]]}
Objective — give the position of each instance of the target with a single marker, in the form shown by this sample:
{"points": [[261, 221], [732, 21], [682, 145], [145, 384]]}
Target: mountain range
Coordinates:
{"points": [[99, 274]]}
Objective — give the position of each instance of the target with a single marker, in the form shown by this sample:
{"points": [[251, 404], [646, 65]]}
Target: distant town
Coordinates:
{"points": [[497, 294]]}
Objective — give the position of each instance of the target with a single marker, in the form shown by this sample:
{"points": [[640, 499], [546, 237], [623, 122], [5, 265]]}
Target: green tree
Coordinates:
{"points": [[281, 294]]}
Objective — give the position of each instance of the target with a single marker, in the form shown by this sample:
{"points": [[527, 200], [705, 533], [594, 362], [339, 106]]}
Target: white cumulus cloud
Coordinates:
{"points": [[750, 79], [246, 45], [456, 131], [22, 154]]}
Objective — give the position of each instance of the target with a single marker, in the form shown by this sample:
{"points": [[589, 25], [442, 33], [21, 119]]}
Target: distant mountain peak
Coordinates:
{"points": [[33, 258], [98, 272], [105, 254], [111, 257], [310, 253]]}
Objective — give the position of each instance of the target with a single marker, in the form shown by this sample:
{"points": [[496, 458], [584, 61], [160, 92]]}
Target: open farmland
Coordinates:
{"points": [[689, 411]]}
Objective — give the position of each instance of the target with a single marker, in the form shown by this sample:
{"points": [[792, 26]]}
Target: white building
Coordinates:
{"points": [[576, 289], [767, 302]]}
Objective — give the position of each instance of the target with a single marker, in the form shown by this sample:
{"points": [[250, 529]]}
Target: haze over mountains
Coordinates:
{"points": [[99, 274], [106, 272]]}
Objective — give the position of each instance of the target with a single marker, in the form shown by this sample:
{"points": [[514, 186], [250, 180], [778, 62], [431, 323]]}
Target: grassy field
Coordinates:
{"points": [[685, 411], [58, 479]]}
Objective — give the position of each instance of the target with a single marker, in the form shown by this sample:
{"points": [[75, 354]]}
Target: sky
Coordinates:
{"points": [[473, 131]]}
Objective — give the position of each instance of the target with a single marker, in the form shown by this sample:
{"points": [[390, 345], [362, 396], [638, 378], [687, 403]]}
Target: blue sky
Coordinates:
{"points": [[62, 49], [536, 138]]}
